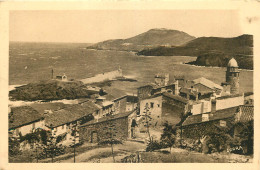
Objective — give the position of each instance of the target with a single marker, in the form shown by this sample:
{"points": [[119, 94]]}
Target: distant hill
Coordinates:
{"points": [[50, 90], [211, 51], [150, 39]]}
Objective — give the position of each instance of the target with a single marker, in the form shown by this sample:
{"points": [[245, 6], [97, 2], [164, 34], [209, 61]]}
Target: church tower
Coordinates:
{"points": [[232, 76]]}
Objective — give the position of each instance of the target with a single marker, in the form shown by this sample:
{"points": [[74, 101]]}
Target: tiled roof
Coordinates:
{"points": [[70, 113], [217, 115], [166, 94], [23, 115], [246, 114], [41, 107], [179, 98], [107, 118], [207, 83], [188, 91], [113, 94]]}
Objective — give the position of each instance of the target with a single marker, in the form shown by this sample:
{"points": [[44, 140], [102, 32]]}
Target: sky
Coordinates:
{"points": [[91, 26]]}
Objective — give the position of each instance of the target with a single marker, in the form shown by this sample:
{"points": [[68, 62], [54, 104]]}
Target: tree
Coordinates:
{"points": [[110, 137], [147, 120], [168, 136], [219, 139], [246, 136]]}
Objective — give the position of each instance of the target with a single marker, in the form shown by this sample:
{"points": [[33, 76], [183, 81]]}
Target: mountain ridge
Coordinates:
{"points": [[149, 39]]}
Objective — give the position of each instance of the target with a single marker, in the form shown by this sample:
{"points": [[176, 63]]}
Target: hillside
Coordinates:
{"points": [[150, 39], [208, 48], [50, 90]]}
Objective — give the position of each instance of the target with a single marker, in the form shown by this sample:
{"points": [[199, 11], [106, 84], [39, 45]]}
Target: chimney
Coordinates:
{"points": [[213, 105]]}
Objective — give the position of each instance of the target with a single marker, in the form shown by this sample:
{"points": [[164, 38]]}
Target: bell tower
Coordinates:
{"points": [[232, 76]]}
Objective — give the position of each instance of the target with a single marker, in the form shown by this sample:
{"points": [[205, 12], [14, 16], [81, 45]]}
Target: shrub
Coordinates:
{"points": [[153, 145]]}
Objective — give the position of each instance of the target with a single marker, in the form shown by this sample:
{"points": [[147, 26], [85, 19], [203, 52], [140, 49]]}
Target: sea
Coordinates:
{"points": [[31, 62]]}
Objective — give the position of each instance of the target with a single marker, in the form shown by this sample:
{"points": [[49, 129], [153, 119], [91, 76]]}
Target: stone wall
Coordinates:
{"points": [[99, 130], [144, 92], [196, 131]]}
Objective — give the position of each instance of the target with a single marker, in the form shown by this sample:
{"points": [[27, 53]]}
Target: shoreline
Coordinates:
{"points": [[241, 69]]}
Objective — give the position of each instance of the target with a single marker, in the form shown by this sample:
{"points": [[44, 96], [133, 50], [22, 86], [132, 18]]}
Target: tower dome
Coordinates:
{"points": [[232, 63]]}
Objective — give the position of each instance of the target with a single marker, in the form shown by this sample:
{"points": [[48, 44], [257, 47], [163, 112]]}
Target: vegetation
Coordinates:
{"points": [[50, 90], [110, 137], [147, 119], [169, 136], [211, 51]]}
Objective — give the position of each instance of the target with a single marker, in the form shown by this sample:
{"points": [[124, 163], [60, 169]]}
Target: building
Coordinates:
{"points": [[205, 86], [164, 107], [161, 85], [62, 78], [64, 123], [195, 127], [118, 125], [114, 102], [24, 120], [232, 77]]}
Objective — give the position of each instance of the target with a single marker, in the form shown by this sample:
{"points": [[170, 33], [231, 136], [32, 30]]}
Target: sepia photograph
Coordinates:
{"points": [[130, 86]]}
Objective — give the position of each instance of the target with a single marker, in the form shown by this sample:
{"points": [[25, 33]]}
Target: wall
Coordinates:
{"points": [[173, 110], [144, 92], [229, 102], [28, 128], [156, 110], [120, 124], [120, 105], [102, 77], [202, 107], [197, 131]]}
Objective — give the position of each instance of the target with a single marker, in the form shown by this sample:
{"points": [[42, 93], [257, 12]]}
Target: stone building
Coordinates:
{"points": [[164, 107], [96, 130], [161, 85], [199, 126]]}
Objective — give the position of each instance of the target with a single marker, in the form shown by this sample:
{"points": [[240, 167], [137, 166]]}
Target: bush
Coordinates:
{"points": [[153, 145]]}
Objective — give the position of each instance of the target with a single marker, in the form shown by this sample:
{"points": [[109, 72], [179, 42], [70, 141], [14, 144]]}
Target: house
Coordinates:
{"points": [[62, 77], [64, 123], [205, 86], [119, 125], [23, 120], [114, 102], [198, 126], [164, 107], [161, 85]]}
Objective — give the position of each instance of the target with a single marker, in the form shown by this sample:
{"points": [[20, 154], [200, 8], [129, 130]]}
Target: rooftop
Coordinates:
{"points": [[176, 97], [70, 113], [232, 63], [246, 113], [217, 115], [41, 107], [113, 94], [207, 83], [108, 118], [23, 115]]}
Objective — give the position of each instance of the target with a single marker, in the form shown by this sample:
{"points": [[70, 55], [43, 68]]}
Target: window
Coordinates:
{"points": [[151, 104], [222, 123], [158, 105]]}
